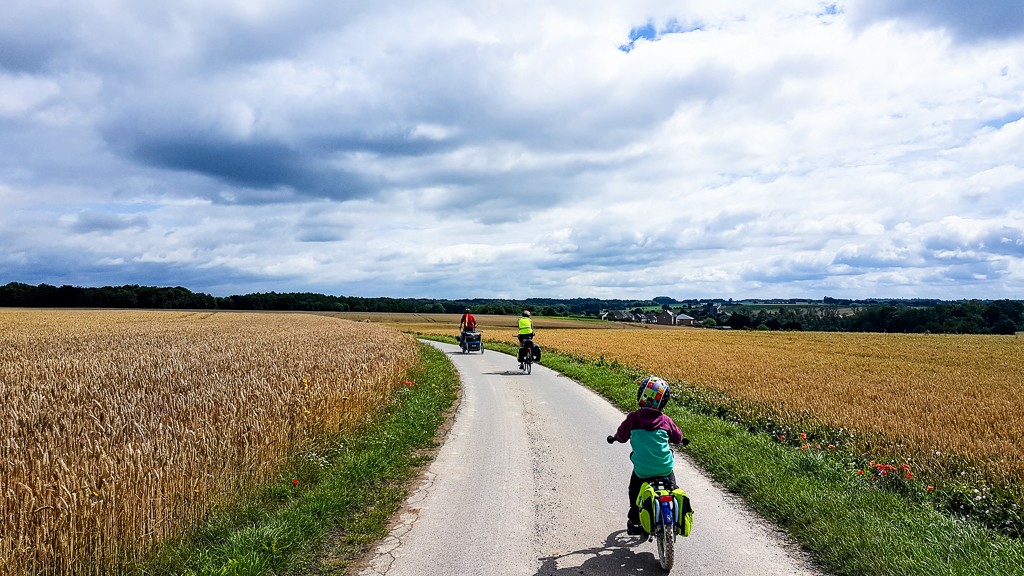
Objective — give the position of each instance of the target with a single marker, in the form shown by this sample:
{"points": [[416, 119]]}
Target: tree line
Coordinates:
{"points": [[914, 316], [967, 317], [16, 294]]}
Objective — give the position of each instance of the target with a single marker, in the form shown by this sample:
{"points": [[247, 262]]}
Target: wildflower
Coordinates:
{"points": [[831, 446], [782, 437], [930, 488], [909, 475], [803, 436], [295, 481], [860, 472]]}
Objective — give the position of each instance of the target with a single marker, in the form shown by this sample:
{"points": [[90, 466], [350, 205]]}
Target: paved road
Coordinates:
{"points": [[526, 484]]}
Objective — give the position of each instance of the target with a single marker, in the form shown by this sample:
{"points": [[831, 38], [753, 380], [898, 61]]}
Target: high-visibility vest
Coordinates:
{"points": [[525, 325]]}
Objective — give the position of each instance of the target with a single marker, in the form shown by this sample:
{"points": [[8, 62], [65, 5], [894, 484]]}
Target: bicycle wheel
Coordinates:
{"points": [[666, 547], [529, 366]]}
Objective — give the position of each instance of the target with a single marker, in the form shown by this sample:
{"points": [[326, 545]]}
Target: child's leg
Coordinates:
{"points": [[635, 482]]}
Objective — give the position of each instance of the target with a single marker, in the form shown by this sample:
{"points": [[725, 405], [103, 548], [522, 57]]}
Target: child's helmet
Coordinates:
{"points": [[652, 393]]}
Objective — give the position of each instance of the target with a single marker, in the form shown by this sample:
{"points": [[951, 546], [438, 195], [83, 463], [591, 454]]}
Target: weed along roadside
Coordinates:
{"points": [[853, 517], [330, 505]]}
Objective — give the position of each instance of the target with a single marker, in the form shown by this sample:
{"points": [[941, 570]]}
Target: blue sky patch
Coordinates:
{"points": [[653, 34]]}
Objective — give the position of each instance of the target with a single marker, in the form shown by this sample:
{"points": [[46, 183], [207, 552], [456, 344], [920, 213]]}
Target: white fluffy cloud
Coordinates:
{"points": [[459, 149]]}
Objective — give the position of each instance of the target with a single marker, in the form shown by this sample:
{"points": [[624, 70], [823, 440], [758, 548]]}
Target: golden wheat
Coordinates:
{"points": [[934, 394], [928, 397], [121, 428]]}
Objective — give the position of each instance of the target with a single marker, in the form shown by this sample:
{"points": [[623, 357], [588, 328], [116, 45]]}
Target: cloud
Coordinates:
{"points": [[979, 20], [100, 222]]}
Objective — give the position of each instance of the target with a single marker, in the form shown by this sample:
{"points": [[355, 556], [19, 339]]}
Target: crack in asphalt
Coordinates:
{"points": [[384, 555]]}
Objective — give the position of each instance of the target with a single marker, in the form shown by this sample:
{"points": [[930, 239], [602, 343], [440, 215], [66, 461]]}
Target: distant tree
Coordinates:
{"points": [[999, 310], [1004, 326], [738, 321]]}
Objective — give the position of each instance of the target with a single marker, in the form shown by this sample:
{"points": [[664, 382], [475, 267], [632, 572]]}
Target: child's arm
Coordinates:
{"points": [[675, 434], [622, 434]]}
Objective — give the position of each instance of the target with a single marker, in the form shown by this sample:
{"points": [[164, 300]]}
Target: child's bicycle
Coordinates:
{"points": [[664, 512]]}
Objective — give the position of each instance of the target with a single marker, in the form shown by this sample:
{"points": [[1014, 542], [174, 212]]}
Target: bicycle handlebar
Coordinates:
{"points": [[684, 442]]}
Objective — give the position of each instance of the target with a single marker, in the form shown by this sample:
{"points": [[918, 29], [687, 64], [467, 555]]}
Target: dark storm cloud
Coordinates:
{"points": [[29, 43], [1003, 241], [782, 271], [869, 261], [967, 20], [1006, 241], [254, 165], [58, 269], [92, 221]]}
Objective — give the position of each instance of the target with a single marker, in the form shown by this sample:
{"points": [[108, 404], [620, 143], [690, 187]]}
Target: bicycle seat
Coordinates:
{"points": [[661, 483]]}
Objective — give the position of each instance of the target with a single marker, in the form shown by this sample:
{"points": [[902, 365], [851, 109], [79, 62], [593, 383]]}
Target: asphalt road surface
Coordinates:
{"points": [[526, 484]]}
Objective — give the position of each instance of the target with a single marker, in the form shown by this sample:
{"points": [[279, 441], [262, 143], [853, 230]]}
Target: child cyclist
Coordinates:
{"points": [[649, 433]]}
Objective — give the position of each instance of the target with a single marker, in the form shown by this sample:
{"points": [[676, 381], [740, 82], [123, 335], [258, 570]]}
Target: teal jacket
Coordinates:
{"points": [[649, 433]]}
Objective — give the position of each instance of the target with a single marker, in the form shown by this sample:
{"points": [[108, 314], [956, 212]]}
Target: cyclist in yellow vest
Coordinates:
{"points": [[526, 333], [525, 327]]}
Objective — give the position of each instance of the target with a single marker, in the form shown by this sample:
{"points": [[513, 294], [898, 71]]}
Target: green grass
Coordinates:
{"points": [[850, 526], [348, 488]]}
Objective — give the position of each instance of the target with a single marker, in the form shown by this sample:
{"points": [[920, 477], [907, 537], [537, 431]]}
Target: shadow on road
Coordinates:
{"points": [[507, 373], [615, 557]]}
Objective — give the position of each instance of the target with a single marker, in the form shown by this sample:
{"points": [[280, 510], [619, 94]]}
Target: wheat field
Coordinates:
{"points": [[934, 394], [938, 400], [120, 428]]}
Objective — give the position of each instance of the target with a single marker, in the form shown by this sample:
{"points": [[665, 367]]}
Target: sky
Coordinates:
{"points": [[465, 149]]}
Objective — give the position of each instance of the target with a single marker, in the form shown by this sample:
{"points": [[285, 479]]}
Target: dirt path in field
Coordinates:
{"points": [[526, 484]]}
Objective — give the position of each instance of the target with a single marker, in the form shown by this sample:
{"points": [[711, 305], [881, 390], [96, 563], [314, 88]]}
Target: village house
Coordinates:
{"points": [[619, 316], [684, 320]]}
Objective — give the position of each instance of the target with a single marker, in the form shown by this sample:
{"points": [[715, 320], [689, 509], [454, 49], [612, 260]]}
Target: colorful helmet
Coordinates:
{"points": [[526, 312], [652, 393]]}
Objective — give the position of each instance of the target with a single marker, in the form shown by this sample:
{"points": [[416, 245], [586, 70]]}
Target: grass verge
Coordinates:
{"points": [[332, 503], [850, 526]]}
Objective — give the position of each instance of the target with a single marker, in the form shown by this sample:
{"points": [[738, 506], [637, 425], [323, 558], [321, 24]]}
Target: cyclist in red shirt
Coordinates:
{"points": [[468, 322]]}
